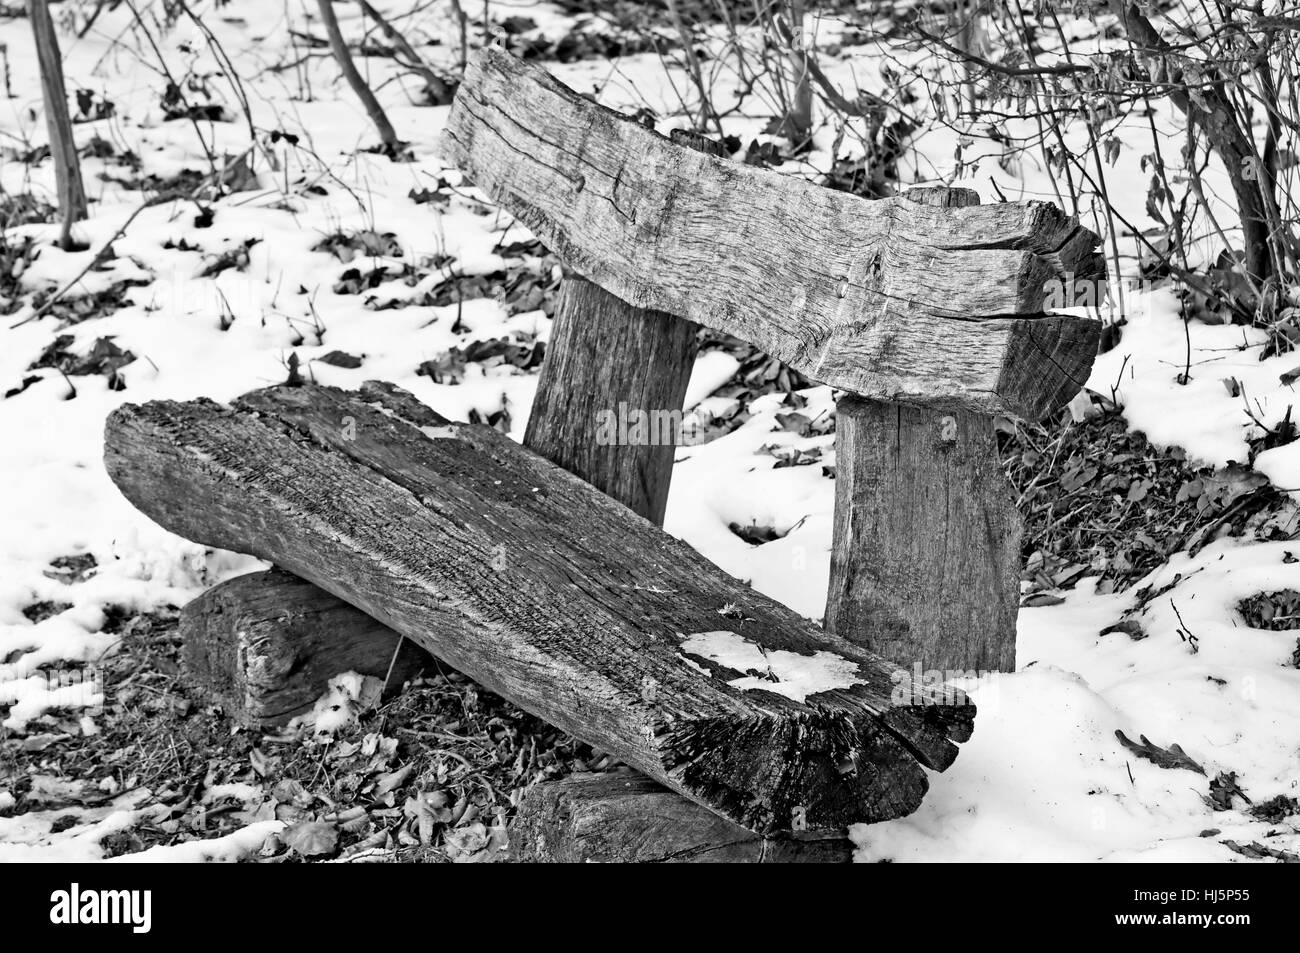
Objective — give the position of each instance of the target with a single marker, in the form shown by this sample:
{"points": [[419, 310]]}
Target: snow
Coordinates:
{"points": [[28, 838], [1043, 778], [228, 849], [1202, 416], [712, 369], [729, 481], [347, 695], [784, 673]]}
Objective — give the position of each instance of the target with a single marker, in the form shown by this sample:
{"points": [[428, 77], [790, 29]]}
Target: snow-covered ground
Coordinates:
{"points": [[1044, 778]]}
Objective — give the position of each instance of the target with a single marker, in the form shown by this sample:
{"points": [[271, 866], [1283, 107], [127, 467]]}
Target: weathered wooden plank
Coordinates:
{"points": [[925, 561], [621, 817], [891, 299], [265, 645], [547, 592], [607, 361]]}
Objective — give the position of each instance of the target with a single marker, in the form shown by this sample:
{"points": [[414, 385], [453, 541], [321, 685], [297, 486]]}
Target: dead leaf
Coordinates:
{"points": [[1257, 851], [1039, 599], [1130, 627], [1223, 789], [394, 779], [340, 359], [464, 842], [1171, 758], [311, 838]]}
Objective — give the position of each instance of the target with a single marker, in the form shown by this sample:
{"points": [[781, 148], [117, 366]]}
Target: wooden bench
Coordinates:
{"points": [[926, 310]]}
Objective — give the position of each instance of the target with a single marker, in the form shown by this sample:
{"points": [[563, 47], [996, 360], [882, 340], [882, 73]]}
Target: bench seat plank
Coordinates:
{"points": [[547, 592]]}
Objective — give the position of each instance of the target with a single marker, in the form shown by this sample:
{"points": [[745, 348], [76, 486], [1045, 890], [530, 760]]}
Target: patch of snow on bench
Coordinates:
{"points": [[797, 676]]}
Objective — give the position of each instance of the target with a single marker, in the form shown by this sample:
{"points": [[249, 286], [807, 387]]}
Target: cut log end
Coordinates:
{"points": [[620, 817], [823, 771], [264, 646], [1048, 363]]}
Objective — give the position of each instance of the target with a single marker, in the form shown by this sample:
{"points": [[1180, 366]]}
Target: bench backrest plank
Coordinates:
{"points": [[891, 299]]}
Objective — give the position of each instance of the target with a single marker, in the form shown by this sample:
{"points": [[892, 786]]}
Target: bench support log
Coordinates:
{"points": [[606, 361], [622, 817], [264, 646], [925, 562]]}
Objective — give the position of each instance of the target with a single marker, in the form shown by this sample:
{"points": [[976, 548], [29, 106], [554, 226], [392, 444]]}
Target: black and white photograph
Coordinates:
{"points": [[514, 432]]}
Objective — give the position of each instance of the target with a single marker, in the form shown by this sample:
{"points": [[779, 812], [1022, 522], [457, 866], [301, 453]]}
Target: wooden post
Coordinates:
{"points": [[926, 552], [63, 145], [609, 401], [622, 817], [265, 645]]}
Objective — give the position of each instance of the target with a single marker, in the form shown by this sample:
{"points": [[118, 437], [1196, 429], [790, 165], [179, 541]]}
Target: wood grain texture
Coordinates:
{"points": [[265, 645], [892, 299], [541, 588], [925, 561], [606, 357], [622, 817]]}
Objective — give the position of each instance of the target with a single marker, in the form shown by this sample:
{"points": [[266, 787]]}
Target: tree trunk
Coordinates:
{"points": [[339, 46], [1227, 138], [63, 145], [800, 119]]}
